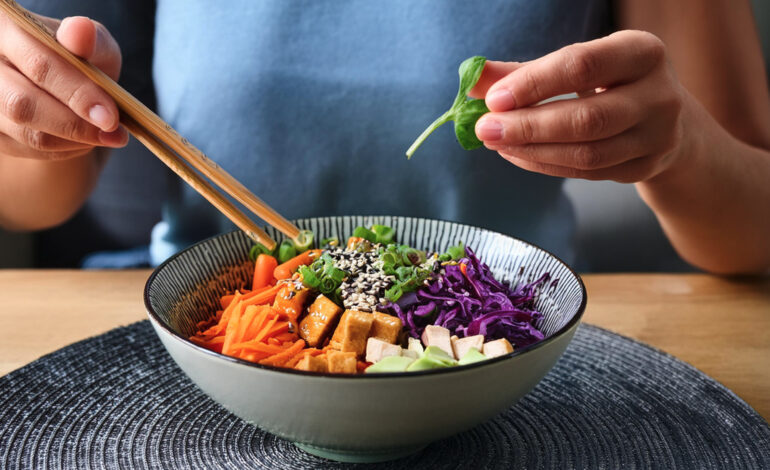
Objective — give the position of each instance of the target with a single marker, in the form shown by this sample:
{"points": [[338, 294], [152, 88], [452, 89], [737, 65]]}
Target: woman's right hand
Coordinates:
{"points": [[48, 109]]}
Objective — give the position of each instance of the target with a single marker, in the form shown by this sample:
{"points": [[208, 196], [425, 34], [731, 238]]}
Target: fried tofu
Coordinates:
{"points": [[498, 347], [314, 364], [461, 346], [376, 349], [290, 300], [321, 317], [352, 332], [385, 327], [437, 336], [341, 362]]}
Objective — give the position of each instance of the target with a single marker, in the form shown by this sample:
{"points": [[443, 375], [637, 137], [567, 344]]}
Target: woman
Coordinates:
{"points": [[312, 104]]}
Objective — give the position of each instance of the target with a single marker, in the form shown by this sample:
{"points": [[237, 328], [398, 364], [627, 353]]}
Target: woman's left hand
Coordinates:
{"points": [[626, 126]]}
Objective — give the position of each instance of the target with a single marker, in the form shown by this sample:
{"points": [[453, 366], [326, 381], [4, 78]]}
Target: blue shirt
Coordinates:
{"points": [[312, 104]]}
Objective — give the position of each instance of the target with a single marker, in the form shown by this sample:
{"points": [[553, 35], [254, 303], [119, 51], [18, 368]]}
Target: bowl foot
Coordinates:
{"points": [[358, 456]]}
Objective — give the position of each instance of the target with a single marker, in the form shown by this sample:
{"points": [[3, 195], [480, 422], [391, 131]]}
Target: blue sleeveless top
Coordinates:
{"points": [[312, 104]]}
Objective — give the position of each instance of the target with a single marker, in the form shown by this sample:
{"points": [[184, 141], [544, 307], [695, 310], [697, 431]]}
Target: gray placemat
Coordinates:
{"points": [[119, 401]]}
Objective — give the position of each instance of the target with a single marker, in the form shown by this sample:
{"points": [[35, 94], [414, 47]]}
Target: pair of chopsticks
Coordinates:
{"points": [[162, 140]]}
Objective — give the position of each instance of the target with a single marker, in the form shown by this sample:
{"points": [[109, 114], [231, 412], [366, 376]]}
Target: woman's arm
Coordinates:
{"points": [[686, 118], [714, 203], [54, 122]]}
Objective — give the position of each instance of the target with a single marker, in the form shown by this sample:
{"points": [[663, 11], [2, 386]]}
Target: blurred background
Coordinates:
{"points": [[126, 205]]}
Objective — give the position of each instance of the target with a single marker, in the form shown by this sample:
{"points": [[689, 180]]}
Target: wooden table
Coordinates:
{"points": [[720, 326]]}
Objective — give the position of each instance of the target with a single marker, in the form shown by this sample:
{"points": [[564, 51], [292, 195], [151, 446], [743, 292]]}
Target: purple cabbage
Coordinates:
{"points": [[473, 303]]}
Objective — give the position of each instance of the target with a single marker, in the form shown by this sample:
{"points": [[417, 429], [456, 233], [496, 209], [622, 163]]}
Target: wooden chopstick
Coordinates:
{"points": [[192, 178], [145, 119]]}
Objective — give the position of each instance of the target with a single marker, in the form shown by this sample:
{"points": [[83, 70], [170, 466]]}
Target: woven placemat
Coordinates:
{"points": [[119, 401]]}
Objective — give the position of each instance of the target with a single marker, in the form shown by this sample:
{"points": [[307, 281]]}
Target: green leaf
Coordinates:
{"points": [[464, 112], [470, 72], [365, 233], [286, 251], [465, 123]]}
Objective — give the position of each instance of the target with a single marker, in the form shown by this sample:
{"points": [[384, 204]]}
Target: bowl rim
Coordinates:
{"points": [[378, 375]]}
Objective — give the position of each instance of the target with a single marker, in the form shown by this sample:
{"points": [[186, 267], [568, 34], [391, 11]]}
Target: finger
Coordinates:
{"points": [[92, 41], [12, 148], [619, 58], [25, 105], [62, 81], [493, 71], [632, 171], [586, 155], [586, 119]]}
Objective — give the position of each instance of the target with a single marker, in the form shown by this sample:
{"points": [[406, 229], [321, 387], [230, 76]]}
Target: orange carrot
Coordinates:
{"points": [[265, 297], [285, 270], [232, 327], [263, 271], [280, 358]]}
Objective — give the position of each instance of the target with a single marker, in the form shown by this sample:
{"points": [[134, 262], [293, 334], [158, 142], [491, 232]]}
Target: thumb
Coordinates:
{"points": [[493, 71], [90, 40]]}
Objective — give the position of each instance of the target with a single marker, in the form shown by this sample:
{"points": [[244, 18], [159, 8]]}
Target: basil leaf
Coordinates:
{"points": [[470, 72], [465, 123], [464, 112]]}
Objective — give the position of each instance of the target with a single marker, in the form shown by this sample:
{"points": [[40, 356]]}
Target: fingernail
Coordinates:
{"points": [[102, 118], [500, 100], [489, 130], [116, 138]]}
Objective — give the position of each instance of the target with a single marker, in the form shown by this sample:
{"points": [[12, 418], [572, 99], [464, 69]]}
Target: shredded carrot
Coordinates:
{"points": [[280, 358], [265, 297]]}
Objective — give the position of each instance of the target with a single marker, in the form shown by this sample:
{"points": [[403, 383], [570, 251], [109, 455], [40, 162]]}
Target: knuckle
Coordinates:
{"points": [[34, 139], [526, 129], [37, 67], [581, 64], [587, 156], [590, 121], [530, 83], [72, 130], [19, 107], [77, 100]]}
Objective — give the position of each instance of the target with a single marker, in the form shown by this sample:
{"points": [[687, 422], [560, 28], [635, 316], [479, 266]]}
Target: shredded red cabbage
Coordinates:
{"points": [[473, 303]]}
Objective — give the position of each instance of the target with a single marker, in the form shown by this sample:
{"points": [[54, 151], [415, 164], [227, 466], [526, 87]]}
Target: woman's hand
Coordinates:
{"points": [[626, 126], [48, 109]]}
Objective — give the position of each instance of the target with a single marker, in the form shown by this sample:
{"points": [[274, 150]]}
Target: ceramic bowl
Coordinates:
{"points": [[363, 418]]}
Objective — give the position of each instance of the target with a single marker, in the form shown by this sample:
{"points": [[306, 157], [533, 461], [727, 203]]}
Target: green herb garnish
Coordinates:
{"points": [[464, 111]]}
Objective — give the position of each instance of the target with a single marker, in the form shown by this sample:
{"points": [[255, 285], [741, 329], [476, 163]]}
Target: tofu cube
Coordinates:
{"points": [[352, 332], [498, 347], [462, 345], [410, 353], [342, 362], [376, 349], [437, 336], [313, 364], [321, 317], [386, 327]]}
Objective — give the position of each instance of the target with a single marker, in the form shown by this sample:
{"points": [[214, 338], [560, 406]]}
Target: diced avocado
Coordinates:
{"points": [[473, 355], [426, 363], [435, 352], [391, 364]]}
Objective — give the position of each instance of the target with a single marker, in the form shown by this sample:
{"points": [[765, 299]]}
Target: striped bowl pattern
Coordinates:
{"points": [[187, 288], [368, 417]]}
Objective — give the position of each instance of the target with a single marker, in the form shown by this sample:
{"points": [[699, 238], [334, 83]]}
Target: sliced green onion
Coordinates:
{"points": [[286, 251], [330, 241], [394, 292], [257, 250], [309, 278], [365, 233], [304, 241], [456, 252], [383, 233]]}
